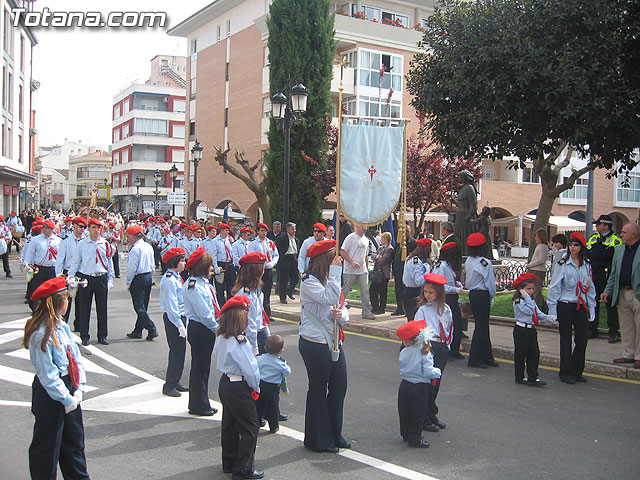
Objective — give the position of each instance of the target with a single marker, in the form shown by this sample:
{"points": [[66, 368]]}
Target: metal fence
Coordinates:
{"points": [[507, 271]]}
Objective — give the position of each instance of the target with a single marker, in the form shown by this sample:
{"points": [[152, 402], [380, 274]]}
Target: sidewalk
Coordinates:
{"points": [[599, 356]]}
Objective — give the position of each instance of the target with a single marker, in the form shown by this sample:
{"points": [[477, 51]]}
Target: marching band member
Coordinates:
{"points": [[67, 229], [5, 235], [42, 253], [434, 310], [240, 247], [202, 312], [238, 389], [415, 266], [207, 243], [154, 235], [113, 237], [58, 434], [572, 299], [481, 283], [92, 261], [165, 244], [224, 259], [175, 326], [320, 293], [319, 231], [267, 247], [67, 250]]}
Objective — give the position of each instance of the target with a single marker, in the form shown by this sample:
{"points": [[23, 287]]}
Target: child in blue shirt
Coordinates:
{"points": [[273, 376], [417, 372]]}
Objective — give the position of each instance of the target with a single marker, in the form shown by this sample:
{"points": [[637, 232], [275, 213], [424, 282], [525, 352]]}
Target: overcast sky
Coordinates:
{"points": [[81, 70]]}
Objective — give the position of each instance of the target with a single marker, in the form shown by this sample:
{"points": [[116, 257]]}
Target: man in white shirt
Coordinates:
{"points": [[354, 252]]}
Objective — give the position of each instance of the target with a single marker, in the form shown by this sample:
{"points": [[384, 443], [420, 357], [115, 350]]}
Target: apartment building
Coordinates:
{"points": [[149, 136], [88, 173]]}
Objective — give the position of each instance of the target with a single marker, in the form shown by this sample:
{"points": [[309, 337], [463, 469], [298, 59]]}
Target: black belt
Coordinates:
{"points": [[627, 288], [92, 274], [46, 266]]}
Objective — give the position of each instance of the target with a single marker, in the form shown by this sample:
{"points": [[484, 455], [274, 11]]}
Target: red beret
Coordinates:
{"points": [[580, 238], [51, 286], [253, 257], [49, 224], [435, 278], [447, 246], [166, 230], [410, 329], [423, 242], [522, 278], [320, 226], [320, 247], [134, 230], [68, 219], [13, 212], [38, 218], [2, 217], [263, 225], [193, 228], [184, 225], [112, 224], [476, 239], [195, 257], [212, 227], [223, 225], [246, 230], [36, 227], [96, 221], [236, 302], [172, 252], [81, 220]]}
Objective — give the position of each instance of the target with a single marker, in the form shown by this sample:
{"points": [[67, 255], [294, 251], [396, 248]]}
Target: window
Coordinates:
{"points": [[150, 103], [192, 130], [488, 172], [579, 189], [226, 75], [374, 13], [4, 86], [218, 33], [125, 155], [125, 130], [22, 53], [266, 56], [125, 107], [228, 28], [8, 33], [266, 107], [9, 148], [177, 156], [125, 180], [179, 106], [377, 107], [116, 181], [226, 117], [628, 188], [20, 146], [529, 176], [148, 126], [116, 158], [194, 45], [116, 135], [373, 75], [178, 131], [116, 112], [9, 96], [193, 89], [20, 103]]}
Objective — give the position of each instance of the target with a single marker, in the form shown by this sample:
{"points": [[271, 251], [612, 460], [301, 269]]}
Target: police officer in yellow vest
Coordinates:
{"points": [[600, 252]]}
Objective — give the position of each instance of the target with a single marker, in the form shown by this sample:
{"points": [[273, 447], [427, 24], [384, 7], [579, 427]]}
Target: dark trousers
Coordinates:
{"points": [[140, 290], [600, 278], [16, 242], [223, 290], [267, 285], [240, 426], [156, 254], [76, 313], [397, 280], [5, 262], [202, 341], [95, 286], [378, 295], [287, 275], [572, 362], [261, 340], [268, 405], [116, 263], [440, 355], [177, 349], [44, 274], [410, 303], [451, 299], [480, 352], [325, 397], [525, 341], [412, 402], [58, 438]]}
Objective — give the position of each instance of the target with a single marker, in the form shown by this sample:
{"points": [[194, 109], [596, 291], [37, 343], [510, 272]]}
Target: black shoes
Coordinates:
{"points": [[614, 337], [521, 381], [283, 301], [181, 388], [536, 383], [420, 444], [438, 423], [456, 356], [263, 422], [282, 417], [398, 313], [9, 275], [103, 341], [493, 364], [152, 335], [274, 430], [581, 379], [172, 393], [430, 427], [134, 335], [207, 413], [481, 365], [569, 380], [331, 450], [85, 342], [343, 444], [290, 295], [254, 474]]}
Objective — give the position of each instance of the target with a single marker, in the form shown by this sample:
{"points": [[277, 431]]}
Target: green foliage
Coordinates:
{"points": [[527, 77], [301, 48]]}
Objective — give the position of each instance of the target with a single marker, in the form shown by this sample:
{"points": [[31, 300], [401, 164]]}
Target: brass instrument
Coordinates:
{"points": [[30, 271], [73, 283]]}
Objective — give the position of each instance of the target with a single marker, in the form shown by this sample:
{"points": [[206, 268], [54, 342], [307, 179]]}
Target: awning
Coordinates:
{"points": [[562, 224], [17, 174]]}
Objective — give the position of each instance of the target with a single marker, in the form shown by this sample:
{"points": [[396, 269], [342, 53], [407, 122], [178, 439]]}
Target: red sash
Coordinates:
{"points": [[581, 289], [216, 308], [443, 335], [535, 317], [74, 372]]}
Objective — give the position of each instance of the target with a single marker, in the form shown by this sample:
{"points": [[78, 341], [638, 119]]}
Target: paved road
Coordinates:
{"points": [[495, 429]]}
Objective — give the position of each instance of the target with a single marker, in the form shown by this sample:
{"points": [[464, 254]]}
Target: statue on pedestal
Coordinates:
{"points": [[467, 203], [483, 225]]}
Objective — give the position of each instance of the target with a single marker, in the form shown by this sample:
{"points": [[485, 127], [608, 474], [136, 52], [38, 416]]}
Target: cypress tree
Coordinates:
{"points": [[301, 48]]}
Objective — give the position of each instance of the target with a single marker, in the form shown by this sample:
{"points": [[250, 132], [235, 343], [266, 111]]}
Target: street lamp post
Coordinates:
{"points": [[138, 182], [284, 108], [156, 176], [196, 156], [173, 172]]}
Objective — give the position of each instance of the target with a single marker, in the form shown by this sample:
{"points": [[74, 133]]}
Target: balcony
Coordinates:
{"points": [[350, 31], [137, 139], [151, 114]]}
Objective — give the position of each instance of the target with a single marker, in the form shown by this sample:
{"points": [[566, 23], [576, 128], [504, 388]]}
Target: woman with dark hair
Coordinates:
{"points": [[382, 260], [444, 266], [481, 283], [415, 266], [538, 266], [322, 306], [202, 311], [572, 299]]}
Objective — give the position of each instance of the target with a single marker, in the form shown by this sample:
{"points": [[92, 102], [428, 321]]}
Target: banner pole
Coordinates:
{"points": [[403, 199]]}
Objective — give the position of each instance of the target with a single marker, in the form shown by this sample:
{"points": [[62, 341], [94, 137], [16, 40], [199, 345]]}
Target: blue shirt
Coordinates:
{"points": [[141, 260], [267, 247], [256, 310], [183, 242], [66, 252], [441, 323], [209, 247], [414, 269], [318, 300], [480, 275], [200, 303], [166, 242], [416, 367], [273, 369], [43, 250], [303, 261], [51, 363], [239, 249], [524, 310], [443, 268], [235, 357], [171, 300], [563, 285], [93, 257], [222, 249]]}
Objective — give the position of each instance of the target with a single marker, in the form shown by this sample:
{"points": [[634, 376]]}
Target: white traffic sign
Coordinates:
{"points": [[177, 198]]}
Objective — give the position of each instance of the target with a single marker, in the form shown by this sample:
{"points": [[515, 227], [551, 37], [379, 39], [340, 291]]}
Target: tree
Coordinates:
{"points": [[432, 178], [536, 79], [301, 48], [249, 177]]}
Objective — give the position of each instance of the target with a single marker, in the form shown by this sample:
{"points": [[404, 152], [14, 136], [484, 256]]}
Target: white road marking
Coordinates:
{"points": [[15, 323], [89, 366], [26, 378], [11, 336]]}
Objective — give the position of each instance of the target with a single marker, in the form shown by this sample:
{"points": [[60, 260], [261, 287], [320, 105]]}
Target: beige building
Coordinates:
{"points": [[88, 173]]}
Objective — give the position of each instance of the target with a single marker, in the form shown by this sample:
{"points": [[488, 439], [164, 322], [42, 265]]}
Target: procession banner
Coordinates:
{"points": [[371, 162]]}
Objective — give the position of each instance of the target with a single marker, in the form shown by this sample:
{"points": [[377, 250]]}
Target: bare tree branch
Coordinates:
{"points": [[571, 180], [563, 163]]}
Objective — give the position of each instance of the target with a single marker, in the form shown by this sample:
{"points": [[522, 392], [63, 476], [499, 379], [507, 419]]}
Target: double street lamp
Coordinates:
{"points": [[138, 182], [196, 156], [284, 109], [156, 176], [173, 172]]}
